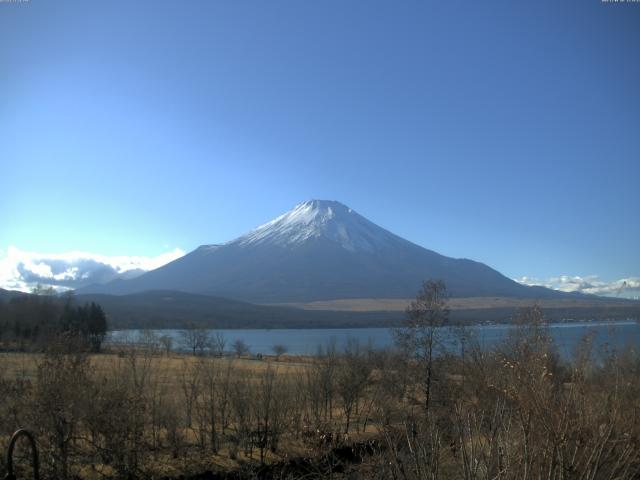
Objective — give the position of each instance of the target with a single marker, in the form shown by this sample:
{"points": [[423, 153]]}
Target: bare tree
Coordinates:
{"points": [[61, 398], [279, 349], [223, 394], [195, 338], [351, 379], [325, 372], [190, 384], [270, 405], [148, 340], [167, 343], [240, 347], [218, 344], [421, 333], [240, 401], [212, 404]]}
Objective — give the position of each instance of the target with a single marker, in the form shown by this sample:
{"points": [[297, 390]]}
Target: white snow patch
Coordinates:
{"points": [[324, 219]]}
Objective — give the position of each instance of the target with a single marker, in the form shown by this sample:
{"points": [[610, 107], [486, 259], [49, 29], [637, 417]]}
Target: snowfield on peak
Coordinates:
{"points": [[321, 219]]}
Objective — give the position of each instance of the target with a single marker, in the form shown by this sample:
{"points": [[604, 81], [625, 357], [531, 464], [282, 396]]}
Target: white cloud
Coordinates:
{"points": [[592, 284], [22, 270]]}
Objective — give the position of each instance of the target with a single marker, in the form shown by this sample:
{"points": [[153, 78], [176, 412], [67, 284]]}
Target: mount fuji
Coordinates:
{"points": [[320, 250]]}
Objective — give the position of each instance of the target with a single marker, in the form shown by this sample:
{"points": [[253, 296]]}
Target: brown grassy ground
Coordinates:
{"points": [[400, 304], [168, 371], [24, 365]]}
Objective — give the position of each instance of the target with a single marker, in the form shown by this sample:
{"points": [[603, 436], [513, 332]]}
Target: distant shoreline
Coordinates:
{"points": [[555, 324], [261, 341]]}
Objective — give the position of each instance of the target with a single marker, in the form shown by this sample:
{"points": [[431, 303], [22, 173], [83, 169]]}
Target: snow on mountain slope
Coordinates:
{"points": [[319, 250], [321, 219]]}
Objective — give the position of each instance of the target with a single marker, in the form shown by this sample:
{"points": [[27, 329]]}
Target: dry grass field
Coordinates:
{"points": [[401, 304], [177, 379], [24, 365]]}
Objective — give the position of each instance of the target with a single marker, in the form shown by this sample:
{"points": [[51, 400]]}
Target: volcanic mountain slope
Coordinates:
{"points": [[320, 250]]}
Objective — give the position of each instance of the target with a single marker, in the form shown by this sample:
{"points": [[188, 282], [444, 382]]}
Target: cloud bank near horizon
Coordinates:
{"points": [[22, 270], [591, 284]]}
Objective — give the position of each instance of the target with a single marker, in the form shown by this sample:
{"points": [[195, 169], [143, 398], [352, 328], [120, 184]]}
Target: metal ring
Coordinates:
{"points": [[34, 454]]}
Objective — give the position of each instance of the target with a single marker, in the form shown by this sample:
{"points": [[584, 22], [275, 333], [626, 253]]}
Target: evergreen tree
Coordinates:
{"points": [[96, 326]]}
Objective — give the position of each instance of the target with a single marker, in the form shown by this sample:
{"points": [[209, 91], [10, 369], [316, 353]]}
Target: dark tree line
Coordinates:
{"points": [[32, 322]]}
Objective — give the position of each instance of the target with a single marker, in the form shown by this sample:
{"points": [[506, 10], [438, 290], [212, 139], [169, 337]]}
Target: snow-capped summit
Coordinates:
{"points": [[319, 250], [320, 220]]}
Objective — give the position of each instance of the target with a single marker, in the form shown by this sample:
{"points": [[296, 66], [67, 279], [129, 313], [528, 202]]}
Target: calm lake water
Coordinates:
{"points": [[567, 336]]}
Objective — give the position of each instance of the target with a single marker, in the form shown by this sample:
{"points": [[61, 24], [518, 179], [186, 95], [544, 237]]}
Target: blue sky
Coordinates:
{"points": [[507, 132]]}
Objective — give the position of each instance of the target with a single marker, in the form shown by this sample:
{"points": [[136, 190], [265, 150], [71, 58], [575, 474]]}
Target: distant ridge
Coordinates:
{"points": [[167, 309], [173, 309], [320, 250], [6, 295]]}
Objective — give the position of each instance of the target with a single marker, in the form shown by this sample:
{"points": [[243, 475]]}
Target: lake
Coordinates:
{"points": [[567, 336]]}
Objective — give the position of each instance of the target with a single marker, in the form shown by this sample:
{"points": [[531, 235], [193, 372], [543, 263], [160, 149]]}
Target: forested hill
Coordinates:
{"points": [[34, 322], [171, 309]]}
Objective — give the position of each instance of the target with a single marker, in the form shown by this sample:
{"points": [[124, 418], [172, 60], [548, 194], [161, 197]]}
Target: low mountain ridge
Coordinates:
{"points": [[6, 295], [160, 309], [173, 309]]}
